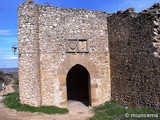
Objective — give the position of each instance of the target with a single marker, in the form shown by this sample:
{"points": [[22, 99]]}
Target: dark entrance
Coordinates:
{"points": [[78, 84]]}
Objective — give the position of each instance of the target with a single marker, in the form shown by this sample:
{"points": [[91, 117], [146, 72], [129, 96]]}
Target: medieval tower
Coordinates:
{"points": [[89, 56]]}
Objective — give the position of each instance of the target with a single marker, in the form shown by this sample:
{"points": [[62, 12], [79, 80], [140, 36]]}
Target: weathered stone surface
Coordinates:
{"points": [[134, 58], [121, 52], [29, 83], [49, 32]]}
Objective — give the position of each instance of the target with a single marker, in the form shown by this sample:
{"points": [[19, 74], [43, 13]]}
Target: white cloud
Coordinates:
{"points": [[5, 32], [11, 58], [139, 5]]}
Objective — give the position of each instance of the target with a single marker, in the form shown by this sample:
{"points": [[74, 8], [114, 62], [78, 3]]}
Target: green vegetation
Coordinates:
{"points": [[114, 111], [15, 85], [12, 101]]}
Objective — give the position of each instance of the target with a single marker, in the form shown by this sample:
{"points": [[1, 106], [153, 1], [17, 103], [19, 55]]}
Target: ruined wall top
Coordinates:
{"points": [[30, 3], [130, 12]]}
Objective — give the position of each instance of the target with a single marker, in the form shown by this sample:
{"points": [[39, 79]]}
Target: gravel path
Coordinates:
{"points": [[77, 111]]}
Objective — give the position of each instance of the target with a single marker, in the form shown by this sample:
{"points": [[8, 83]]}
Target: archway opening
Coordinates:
{"points": [[78, 84]]}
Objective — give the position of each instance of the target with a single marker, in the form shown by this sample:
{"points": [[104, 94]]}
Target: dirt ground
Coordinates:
{"points": [[77, 111]]}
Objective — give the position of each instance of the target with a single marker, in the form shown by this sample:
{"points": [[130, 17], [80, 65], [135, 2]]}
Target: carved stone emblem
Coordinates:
{"points": [[77, 46], [73, 45], [83, 45]]}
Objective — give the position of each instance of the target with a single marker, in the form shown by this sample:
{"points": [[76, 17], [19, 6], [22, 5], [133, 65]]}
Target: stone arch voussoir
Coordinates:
{"points": [[67, 65]]}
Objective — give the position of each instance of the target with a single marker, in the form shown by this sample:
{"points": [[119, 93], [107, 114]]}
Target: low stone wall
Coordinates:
{"points": [[135, 62]]}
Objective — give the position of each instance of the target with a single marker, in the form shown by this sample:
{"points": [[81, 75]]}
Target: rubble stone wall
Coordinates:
{"points": [[29, 75], [121, 52], [134, 57], [52, 33]]}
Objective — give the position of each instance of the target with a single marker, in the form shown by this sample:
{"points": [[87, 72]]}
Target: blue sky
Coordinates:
{"points": [[8, 19]]}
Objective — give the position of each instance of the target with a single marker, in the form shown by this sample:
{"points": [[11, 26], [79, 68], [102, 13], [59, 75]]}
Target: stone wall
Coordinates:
{"points": [[134, 57], [44, 57], [120, 51], [29, 75]]}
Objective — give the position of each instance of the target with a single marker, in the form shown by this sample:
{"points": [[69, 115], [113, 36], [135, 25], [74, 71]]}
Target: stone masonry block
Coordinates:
{"points": [[62, 80]]}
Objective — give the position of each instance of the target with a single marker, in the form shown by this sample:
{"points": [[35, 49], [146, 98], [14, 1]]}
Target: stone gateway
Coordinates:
{"points": [[89, 56]]}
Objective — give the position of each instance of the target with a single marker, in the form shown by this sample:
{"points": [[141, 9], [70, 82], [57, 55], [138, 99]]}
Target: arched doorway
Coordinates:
{"points": [[78, 84]]}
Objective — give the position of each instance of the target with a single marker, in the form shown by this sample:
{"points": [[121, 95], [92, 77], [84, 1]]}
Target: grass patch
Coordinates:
{"points": [[12, 101], [15, 85], [114, 111]]}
